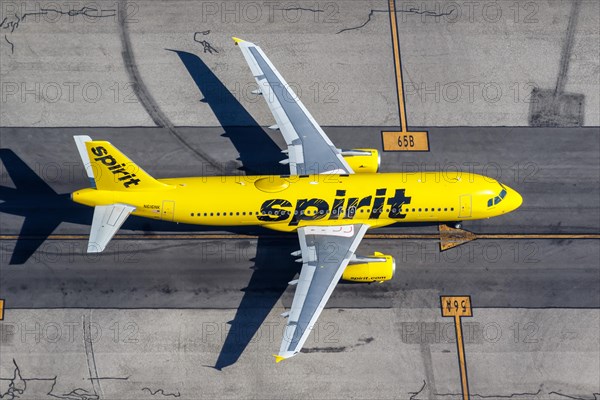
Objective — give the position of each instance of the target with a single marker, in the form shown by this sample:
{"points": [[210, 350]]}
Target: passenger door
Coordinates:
{"points": [[168, 210], [465, 206]]}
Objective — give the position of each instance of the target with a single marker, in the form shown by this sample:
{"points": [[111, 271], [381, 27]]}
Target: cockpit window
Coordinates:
{"points": [[495, 200]]}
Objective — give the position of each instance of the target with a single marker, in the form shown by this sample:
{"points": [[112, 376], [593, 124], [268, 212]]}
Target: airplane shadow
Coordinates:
{"points": [[33, 199]]}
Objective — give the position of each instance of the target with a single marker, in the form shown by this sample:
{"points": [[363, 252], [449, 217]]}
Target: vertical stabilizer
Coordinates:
{"points": [[109, 169]]}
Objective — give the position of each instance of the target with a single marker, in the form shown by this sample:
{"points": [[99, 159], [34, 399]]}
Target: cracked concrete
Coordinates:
{"points": [[511, 353], [466, 66]]}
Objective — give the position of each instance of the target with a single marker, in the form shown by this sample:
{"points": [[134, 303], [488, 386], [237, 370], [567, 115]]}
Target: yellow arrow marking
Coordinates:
{"points": [[452, 237]]}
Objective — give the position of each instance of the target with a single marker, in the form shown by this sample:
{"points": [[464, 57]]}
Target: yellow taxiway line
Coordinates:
{"points": [[233, 236], [458, 307], [402, 140], [397, 65]]}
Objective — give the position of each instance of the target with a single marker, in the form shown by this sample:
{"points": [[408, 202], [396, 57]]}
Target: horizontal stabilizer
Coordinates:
{"points": [[107, 221]]}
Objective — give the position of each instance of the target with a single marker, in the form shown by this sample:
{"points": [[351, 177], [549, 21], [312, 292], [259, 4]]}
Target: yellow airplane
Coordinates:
{"points": [[330, 198]]}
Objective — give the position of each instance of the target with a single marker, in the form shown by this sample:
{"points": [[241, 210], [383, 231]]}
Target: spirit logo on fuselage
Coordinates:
{"points": [[114, 166], [276, 210]]}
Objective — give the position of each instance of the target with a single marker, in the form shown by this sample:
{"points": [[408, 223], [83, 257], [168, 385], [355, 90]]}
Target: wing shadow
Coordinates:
{"points": [[273, 269], [259, 155]]}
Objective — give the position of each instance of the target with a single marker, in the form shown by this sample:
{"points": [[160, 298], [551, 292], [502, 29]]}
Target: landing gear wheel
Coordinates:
{"points": [[458, 225]]}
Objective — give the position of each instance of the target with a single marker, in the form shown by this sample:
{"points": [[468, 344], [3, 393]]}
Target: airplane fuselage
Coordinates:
{"points": [[285, 203]]}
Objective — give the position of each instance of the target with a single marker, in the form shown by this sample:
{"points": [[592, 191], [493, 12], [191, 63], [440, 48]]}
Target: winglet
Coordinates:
{"points": [[278, 359], [237, 40]]}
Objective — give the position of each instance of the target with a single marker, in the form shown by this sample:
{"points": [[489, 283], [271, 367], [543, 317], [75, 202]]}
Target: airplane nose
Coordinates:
{"points": [[514, 199]]}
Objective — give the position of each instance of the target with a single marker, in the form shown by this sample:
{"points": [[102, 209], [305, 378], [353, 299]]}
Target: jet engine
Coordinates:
{"points": [[376, 268], [362, 160]]}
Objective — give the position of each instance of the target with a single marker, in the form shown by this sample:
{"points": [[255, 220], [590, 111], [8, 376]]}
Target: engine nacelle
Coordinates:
{"points": [[376, 268], [362, 160]]}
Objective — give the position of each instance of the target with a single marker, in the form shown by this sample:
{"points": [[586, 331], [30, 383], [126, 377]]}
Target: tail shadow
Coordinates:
{"points": [[273, 269], [41, 207], [258, 153], [43, 210]]}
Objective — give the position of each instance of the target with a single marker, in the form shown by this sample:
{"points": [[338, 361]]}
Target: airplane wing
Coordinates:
{"points": [[326, 251], [309, 149]]}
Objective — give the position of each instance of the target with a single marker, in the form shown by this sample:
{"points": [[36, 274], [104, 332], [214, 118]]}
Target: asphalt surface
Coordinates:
{"points": [[555, 170]]}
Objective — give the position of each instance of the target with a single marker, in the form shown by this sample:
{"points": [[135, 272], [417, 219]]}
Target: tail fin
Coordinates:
{"points": [[112, 170]]}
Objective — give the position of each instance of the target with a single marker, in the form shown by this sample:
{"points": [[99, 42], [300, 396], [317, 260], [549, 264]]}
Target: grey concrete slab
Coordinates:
{"points": [[474, 64], [357, 353]]}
